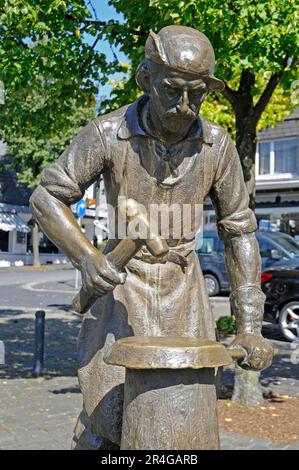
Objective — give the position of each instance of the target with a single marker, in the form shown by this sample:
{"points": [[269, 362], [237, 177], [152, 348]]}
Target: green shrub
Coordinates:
{"points": [[226, 324]]}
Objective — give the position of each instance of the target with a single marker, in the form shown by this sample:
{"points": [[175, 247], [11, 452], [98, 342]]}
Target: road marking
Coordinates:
{"points": [[31, 286]]}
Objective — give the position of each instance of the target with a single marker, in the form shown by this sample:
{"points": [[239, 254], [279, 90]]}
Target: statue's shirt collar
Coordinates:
{"points": [[130, 126]]}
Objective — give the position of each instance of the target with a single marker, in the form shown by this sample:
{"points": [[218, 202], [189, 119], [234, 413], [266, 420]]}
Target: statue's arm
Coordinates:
{"points": [[64, 183], [59, 224], [236, 226]]}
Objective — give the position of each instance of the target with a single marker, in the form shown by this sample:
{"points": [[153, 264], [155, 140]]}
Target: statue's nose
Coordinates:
{"points": [[183, 106]]}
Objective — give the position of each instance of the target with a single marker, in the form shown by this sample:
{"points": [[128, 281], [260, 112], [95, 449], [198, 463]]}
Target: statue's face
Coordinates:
{"points": [[175, 99]]}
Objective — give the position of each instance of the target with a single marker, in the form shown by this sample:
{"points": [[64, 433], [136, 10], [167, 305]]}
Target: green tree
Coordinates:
{"points": [[50, 76], [32, 150]]}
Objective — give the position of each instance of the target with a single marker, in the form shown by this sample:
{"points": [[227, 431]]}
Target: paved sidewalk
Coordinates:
{"points": [[232, 441], [41, 413], [38, 413]]}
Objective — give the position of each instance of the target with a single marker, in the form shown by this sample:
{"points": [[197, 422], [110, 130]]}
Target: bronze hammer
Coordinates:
{"points": [[126, 250]]}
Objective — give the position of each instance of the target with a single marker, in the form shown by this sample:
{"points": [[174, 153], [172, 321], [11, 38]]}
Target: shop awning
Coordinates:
{"points": [[10, 222]]}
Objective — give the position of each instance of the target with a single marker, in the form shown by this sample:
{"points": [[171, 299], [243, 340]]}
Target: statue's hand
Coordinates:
{"points": [[98, 275], [259, 353]]}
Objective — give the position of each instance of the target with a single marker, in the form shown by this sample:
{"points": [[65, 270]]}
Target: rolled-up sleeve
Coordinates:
{"points": [[229, 193], [78, 167]]}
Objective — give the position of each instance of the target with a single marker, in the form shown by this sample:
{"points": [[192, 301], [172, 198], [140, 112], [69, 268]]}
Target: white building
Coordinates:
{"points": [[277, 173], [277, 176], [15, 222], [14, 212]]}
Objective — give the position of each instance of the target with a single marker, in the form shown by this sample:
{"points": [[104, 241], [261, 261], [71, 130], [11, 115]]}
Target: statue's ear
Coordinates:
{"points": [[142, 76]]}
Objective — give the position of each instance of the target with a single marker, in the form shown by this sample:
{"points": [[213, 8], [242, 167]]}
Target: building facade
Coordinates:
{"points": [[15, 222], [277, 174], [14, 211], [277, 177]]}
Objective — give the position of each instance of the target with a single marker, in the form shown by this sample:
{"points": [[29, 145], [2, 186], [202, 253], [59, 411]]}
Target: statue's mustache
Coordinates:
{"points": [[174, 112]]}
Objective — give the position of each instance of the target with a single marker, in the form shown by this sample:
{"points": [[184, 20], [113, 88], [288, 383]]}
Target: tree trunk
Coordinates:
{"points": [[246, 146], [247, 388], [35, 243]]}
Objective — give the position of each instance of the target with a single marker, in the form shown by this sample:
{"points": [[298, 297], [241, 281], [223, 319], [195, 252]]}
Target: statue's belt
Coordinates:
{"points": [[175, 255]]}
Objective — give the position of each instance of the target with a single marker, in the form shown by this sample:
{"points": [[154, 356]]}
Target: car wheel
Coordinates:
{"points": [[212, 284], [289, 321]]}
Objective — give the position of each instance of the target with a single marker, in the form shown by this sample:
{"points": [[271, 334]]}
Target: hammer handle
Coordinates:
{"points": [[83, 301], [124, 251], [118, 258]]}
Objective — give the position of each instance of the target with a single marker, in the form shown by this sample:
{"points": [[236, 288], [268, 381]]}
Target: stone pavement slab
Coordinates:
{"points": [[232, 441], [38, 413]]}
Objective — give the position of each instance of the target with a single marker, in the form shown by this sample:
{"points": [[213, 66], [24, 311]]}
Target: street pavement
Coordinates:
{"points": [[37, 289], [41, 413]]}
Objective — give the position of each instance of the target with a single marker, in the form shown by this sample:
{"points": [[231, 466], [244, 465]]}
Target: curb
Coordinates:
{"points": [[45, 267], [220, 299]]}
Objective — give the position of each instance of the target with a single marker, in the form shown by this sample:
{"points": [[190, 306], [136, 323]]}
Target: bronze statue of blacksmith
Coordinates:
{"points": [[155, 150]]}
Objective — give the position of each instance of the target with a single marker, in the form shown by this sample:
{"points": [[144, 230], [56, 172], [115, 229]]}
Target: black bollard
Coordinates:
{"points": [[39, 343]]}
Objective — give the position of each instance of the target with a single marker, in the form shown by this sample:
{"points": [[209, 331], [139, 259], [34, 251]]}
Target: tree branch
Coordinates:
{"points": [[85, 62], [97, 22], [242, 96], [87, 22], [266, 95], [247, 80], [96, 41], [93, 9], [231, 95]]}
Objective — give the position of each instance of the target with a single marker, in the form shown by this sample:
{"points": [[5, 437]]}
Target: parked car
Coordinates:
{"points": [[280, 283], [275, 248]]}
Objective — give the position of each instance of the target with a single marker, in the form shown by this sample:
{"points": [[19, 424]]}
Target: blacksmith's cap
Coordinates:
{"points": [[184, 49]]}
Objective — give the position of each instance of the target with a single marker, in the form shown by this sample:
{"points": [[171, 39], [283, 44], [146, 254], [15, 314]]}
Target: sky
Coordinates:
{"points": [[104, 12]]}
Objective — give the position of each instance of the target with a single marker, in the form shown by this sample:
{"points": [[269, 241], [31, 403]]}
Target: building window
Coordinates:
{"points": [[4, 238], [280, 157], [286, 156], [21, 238], [264, 161]]}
